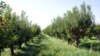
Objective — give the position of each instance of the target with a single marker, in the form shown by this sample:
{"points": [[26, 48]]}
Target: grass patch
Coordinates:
{"points": [[93, 44], [44, 45], [57, 47]]}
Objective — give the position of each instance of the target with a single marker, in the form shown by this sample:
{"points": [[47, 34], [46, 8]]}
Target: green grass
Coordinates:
{"points": [[49, 46], [57, 47], [93, 44], [6, 52]]}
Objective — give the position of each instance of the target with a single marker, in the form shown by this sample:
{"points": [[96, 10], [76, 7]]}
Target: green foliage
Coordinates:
{"points": [[32, 48], [57, 28], [53, 47], [96, 29], [14, 29], [73, 25], [57, 47], [49, 46], [92, 44]]}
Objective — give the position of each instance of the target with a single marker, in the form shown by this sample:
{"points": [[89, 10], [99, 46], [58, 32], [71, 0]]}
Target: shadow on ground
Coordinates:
{"points": [[31, 48]]}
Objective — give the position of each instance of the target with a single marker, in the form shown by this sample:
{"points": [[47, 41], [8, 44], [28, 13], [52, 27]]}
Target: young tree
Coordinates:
{"points": [[73, 25], [26, 30], [15, 30], [81, 20]]}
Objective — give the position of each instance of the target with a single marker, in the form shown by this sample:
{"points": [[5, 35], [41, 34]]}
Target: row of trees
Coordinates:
{"points": [[14, 29], [74, 25]]}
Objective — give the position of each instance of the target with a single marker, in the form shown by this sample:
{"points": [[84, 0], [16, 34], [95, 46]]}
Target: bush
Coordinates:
{"points": [[93, 44]]}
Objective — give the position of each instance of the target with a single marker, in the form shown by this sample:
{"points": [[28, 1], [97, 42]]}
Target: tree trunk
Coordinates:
{"points": [[0, 51], [69, 40], [12, 50], [19, 43], [77, 42]]}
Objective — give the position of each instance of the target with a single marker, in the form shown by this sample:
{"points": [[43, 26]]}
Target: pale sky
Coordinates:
{"points": [[42, 12]]}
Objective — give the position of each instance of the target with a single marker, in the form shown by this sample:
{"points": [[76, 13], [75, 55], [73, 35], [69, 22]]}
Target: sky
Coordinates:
{"points": [[43, 12]]}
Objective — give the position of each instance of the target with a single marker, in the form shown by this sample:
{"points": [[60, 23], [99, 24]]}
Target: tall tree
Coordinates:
{"points": [[81, 20], [2, 27]]}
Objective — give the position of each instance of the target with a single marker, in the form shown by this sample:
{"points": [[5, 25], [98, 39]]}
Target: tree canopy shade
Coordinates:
{"points": [[73, 25]]}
